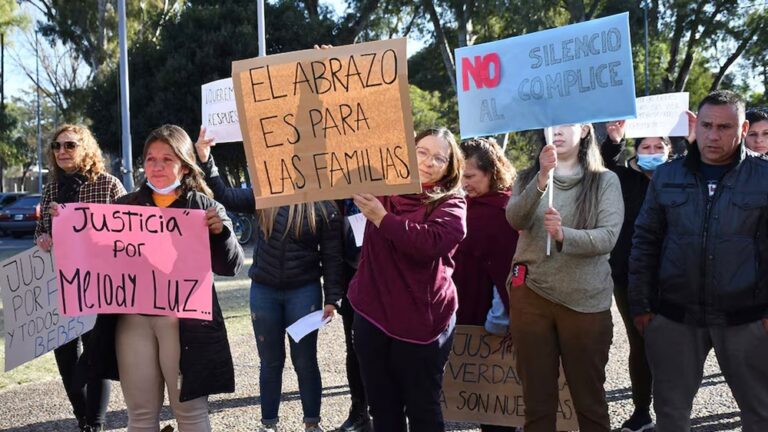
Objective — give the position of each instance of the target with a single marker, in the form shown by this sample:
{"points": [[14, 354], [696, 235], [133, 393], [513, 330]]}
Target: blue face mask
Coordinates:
{"points": [[166, 190], [649, 162]]}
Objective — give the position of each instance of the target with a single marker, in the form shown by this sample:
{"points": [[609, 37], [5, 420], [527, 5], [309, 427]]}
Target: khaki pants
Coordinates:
{"points": [[148, 354], [543, 333]]}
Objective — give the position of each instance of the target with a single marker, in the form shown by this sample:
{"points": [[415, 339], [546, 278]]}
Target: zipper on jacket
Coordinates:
{"points": [[705, 237], [756, 292]]}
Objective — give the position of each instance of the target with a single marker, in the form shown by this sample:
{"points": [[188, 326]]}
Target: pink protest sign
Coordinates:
{"points": [[132, 259]]}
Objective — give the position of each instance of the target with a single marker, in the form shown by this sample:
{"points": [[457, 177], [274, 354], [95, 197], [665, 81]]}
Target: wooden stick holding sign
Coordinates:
{"points": [[549, 133]]}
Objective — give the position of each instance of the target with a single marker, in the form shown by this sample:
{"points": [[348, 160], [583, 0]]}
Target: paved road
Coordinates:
{"points": [[42, 406]]}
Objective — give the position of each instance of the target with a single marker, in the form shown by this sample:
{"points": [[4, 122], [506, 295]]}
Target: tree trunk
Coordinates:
{"points": [[354, 23], [441, 41], [101, 37], [576, 10], [674, 51], [733, 57]]}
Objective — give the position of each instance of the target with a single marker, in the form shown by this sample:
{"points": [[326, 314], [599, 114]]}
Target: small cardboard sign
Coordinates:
{"points": [[481, 384]]}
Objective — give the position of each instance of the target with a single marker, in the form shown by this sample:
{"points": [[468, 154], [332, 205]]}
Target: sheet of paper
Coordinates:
{"points": [[306, 325], [357, 222]]}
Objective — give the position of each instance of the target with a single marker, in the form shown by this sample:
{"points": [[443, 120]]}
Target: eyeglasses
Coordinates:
{"points": [[68, 145], [423, 154]]}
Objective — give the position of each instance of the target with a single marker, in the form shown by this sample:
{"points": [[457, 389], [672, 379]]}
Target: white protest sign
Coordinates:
{"points": [[659, 116], [33, 324], [219, 111]]}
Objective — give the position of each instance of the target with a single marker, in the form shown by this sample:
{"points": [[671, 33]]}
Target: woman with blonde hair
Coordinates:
{"points": [[77, 174], [297, 245]]}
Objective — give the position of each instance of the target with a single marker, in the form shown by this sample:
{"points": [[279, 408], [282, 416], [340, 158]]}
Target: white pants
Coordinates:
{"points": [[148, 353]]}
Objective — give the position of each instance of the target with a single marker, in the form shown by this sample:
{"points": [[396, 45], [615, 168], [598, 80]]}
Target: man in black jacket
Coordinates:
{"points": [[697, 280]]}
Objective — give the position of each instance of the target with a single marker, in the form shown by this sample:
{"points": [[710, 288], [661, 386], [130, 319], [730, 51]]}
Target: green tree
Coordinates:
{"points": [[166, 77]]}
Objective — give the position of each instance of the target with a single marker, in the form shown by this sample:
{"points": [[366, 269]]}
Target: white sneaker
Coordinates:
{"points": [[265, 428]]}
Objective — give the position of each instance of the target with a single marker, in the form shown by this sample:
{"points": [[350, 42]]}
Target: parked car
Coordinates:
{"points": [[21, 217], [7, 198]]}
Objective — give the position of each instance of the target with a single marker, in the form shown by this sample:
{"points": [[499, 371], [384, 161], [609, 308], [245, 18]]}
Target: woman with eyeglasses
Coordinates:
{"points": [[77, 175], [560, 303], [403, 295]]}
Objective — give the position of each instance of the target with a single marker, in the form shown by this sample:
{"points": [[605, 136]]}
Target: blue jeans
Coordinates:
{"points": [[272, 310]]}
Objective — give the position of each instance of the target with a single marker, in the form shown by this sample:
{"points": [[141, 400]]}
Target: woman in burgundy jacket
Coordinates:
{"points": [[403, 294], [484, 257]]}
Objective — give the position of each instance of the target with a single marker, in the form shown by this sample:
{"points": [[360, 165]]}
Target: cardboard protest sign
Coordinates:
{"points": [[573, 74], [659, 116], [219, 111], [33, 324], [132, 259], [326, 124], [481, 384]]}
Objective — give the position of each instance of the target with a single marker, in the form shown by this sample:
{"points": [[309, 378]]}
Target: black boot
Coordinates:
{"points": [[92, 428], [358, 420]]}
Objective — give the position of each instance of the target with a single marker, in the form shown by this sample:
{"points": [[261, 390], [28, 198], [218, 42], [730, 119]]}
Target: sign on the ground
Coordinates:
{"points": [[481, 385]]}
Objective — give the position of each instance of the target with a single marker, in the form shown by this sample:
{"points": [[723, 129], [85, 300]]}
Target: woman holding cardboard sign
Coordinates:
{"points": [[296, 246], [78, 175], [189, 357], [560, 304], [403, 295]]}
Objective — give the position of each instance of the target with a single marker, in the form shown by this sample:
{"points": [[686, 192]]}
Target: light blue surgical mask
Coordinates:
{"points": [[166, 190], [649, 162]]}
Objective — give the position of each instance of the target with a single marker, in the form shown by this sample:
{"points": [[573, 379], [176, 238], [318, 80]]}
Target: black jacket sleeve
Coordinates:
{"points": [[647, 242], [331, 257], [234, 199], [227, 257], [610, 153]]}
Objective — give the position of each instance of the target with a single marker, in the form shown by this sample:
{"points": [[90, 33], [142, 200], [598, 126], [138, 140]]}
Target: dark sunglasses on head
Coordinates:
{"points": [[68, 145]]}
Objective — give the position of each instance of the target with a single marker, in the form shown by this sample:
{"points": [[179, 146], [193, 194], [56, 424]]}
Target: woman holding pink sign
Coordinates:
{"points": [[189, 357], [560, 302], [77, 175]]}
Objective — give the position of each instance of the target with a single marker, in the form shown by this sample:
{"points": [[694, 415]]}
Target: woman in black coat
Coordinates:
{"points": [[190, 357], [297, 269]]}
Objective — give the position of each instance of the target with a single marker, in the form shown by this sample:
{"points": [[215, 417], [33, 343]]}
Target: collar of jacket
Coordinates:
{"points": [[144, 197], [693, 159]]}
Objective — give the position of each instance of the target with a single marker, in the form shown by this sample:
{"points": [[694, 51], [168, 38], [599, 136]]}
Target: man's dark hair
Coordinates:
{"points": [[757, 114], [725, 97]]}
